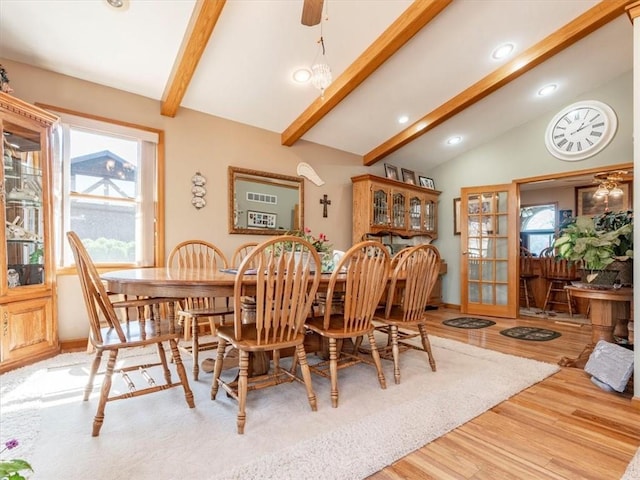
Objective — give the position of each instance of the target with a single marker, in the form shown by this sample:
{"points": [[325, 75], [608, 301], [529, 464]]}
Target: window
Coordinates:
{"points": [[538, 226], [106, 191]]}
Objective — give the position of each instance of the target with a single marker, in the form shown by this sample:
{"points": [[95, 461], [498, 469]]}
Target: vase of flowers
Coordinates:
{"points": [[321, 244]]}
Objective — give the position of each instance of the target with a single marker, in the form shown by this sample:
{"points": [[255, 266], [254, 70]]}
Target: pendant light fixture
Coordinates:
{"points": [[320, 71]]}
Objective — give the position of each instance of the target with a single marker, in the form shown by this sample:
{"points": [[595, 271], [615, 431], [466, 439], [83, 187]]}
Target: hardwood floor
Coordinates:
{"points": [[561, 428]]}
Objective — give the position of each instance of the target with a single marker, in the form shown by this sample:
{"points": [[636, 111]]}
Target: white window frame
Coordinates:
{"points": [[147, 198]]}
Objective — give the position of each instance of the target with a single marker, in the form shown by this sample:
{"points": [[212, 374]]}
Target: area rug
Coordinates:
{"points": [[159, 437], [633, 469], [530, 333], [468, 322]]}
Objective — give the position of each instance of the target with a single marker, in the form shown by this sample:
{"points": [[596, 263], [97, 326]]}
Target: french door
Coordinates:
{"points": [[489, 263]]}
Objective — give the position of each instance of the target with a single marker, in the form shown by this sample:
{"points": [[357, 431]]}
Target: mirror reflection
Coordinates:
{"points": [[264, 203]]}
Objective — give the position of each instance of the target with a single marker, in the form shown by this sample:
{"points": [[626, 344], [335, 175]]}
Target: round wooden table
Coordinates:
{"points": [[609, 310]]}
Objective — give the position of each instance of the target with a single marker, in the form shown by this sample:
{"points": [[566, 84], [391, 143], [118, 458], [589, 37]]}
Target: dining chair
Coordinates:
{"points": [[199, 312], [526, 275], [558, 272], [412, 281], [279, 274], [241, 252], [366, 268], [113, 338]]}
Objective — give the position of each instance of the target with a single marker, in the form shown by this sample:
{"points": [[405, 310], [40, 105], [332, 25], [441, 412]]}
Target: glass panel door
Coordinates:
{"points": [[24, 214], [489, 251]]}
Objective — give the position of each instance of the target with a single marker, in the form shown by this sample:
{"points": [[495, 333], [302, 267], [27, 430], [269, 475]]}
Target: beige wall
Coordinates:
{"points": [[196, 142]]}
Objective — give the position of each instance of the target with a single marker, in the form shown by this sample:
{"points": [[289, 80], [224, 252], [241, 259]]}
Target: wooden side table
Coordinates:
{"points": [[610, 310]]}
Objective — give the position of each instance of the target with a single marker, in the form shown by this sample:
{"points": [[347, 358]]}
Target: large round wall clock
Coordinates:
{"points": [[581, 130]]}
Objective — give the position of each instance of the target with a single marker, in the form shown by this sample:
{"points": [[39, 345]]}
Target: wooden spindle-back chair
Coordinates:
{"points": [[412, 281], [199, 312], [279, 274], [113, 338], [366, 267]]}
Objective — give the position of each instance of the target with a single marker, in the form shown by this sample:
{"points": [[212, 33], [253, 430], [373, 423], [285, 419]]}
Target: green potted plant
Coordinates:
{"points": [[599, 242]]}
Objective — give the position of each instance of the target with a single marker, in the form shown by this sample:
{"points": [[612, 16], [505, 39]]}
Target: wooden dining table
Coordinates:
{"points": [[609, 313], [172, 282]]}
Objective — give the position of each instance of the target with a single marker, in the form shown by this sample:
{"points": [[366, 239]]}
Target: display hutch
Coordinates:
{"points": [[386, 207], [27, 287]]}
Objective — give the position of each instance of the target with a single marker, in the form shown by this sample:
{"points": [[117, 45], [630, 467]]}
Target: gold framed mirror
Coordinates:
{"points": [[263, 203]]}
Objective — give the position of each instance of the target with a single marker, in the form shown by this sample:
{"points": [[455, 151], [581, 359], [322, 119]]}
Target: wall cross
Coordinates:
{"points": [[325, 202]]}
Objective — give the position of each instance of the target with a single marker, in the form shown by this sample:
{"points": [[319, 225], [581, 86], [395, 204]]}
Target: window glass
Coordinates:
{"points": [[537, 226], [107, 192]]}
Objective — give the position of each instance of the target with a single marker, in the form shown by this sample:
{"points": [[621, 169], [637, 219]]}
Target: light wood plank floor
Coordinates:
{"points": [[562, 428]]}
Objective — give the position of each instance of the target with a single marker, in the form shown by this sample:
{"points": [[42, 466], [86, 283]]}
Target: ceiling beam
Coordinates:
{"points": [[419, 13], [580, 27], [203, 19]]}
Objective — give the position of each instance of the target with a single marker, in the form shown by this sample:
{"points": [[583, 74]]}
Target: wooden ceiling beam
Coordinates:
{"points": [[419, 13], [203, 20], [580, 27]]}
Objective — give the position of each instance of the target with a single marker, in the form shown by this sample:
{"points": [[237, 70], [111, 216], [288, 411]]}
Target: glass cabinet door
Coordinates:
{"points": [[429, 217], [380, 207], [415, 213], [399, 210], [23, 212]]}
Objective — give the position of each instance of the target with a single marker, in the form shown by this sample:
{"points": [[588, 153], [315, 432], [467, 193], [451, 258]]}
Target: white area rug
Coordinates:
{"points": [[159, 437], [633, 469]]}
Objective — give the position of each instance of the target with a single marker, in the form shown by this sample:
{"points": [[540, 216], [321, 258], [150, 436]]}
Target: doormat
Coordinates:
{"points": [[530, 333], [468, 322]]}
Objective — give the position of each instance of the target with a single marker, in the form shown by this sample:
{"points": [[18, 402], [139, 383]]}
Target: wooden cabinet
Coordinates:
{"points": [[27, 291], [384, 205]]}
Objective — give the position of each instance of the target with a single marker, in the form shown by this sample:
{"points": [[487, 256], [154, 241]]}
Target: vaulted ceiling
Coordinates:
{"points": [[429, 60]]}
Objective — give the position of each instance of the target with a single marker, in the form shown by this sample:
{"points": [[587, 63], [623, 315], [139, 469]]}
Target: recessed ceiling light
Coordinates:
{"points": [[454, 140], [403, 119], [502, 51], [302, 75], [547, 89]]}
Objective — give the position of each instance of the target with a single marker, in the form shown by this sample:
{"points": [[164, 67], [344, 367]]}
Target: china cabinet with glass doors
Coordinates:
{"points": [[27, 291], [390, 207], [385, 205]]}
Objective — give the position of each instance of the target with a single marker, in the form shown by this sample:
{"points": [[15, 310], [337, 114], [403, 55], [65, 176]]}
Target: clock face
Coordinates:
{"points": [[581, 130]]}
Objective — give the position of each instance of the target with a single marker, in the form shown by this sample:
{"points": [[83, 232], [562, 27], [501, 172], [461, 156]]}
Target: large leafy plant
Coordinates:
{"points": [[597, 241]]}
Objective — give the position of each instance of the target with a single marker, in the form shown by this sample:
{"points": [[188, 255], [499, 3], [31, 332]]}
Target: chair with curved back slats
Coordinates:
{"points": [[199, 312], [559, 273], [113, 338], [412, 281], [283, 284], [241, 252], [366, 266]]}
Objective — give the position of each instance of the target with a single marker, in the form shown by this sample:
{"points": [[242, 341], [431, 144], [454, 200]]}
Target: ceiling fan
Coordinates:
{"points": [[311, 12]]}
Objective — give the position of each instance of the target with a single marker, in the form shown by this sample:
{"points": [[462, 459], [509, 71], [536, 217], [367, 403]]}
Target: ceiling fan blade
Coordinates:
{"points": [[312, 12]]}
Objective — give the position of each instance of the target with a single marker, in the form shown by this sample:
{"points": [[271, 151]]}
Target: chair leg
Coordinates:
{"points": [[376, 359], [98, 420], [217, 369], [243, 383], [92, 374], [426, 344], [301, 355], [163, 360], [569, 302], [395, 350], [182, 373], [333, 370], [195, 347], [547, 297]]}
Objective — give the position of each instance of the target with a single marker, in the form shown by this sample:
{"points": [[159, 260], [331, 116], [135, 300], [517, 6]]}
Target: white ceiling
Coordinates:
{"points": [[245, 73]]}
